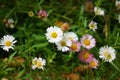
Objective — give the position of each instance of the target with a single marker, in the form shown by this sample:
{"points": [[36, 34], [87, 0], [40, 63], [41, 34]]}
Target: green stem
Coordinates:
{"points": [[70, 54]]}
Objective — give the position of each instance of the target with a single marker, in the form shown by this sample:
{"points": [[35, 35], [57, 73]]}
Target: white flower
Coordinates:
{"points": [[119, 18], [87, 41], [10, 23], [71, 36], [10, 20], [7, 42], [38, 63], [64, 44], [107, 53], [93, 25], [54, 34], [99, 11], [117, 4]]}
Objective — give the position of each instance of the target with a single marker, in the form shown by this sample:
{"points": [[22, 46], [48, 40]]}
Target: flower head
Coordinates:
{"points": [[42, 14], [93, 63], [54, 34], [87, 41], [75, 47], [7, 42], [30, 14], [64, 45], [117, 4], [99, 11], [9, 22], [85, 56], [71, 36], [38, 63], [107, 53], [93, 25], [65, 26], [88, 6]]}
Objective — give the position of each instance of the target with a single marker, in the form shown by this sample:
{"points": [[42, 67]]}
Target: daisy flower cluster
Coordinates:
{"points": [[106, 53], [69, 42], [65, 41], [88, 42]]}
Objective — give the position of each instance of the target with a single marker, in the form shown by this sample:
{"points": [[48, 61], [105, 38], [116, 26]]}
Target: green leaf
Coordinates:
{"points": [[9, 69], [21, 73], [37, 46], [11, 56]]}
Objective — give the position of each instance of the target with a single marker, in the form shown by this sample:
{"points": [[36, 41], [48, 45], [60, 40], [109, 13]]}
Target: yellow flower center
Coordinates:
{"points": [[63, 43], [92, 26], [8, 43], [70, 38], [74, 46], [30, 13], [107, 55], [97, 12], [92, 63], [53, 34], [85, 55], [39, 64], [86, 42], [42, 15]]}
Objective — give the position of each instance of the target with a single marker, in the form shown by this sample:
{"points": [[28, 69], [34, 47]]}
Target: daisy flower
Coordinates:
{"points": [[85, 56], [93, 63], [107, 53], [75, 47], [64, 45], [87, 41], [99, 11], [54, 34], [93, 25], [7, 42], [38, 63], [71, 36]]}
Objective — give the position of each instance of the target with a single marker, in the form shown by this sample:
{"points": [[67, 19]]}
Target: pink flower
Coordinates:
{"points": [[87, 41], [42, 14], [93, 63], [75, 47], [85, 56]]}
